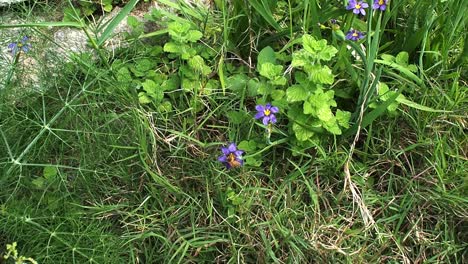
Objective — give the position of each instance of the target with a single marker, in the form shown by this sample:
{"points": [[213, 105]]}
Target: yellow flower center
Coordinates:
{"points": [[355, 34], [358, 6], [381, 2], [267, 112]]}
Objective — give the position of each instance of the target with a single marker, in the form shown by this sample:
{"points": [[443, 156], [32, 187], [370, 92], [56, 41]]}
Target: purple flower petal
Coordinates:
{"points": [[272, 119], [225, 150], [25, 38], [364, 5], [274, 109], [260, 108], [356, 11], [232, 147], [259, 115], [265, 120], [238, 153], [363, 12], [222, 158]]}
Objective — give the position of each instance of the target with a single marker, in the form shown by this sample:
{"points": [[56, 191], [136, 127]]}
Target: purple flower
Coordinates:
{"points": [[380, 4], [357, 7], [354, 35], [232, 157], [267, 113], [22, 45]]}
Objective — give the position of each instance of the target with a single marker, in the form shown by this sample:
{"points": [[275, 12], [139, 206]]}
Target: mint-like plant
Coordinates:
{"points": [[311, 103]]}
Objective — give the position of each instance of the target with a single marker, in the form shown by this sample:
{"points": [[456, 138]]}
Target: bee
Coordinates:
{"points": [[231, 160]]}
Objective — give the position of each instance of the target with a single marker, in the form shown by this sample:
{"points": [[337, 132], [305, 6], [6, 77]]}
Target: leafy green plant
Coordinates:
{"points": [[308, 102]]}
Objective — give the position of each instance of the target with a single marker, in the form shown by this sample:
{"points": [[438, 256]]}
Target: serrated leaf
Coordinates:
{"points": [[296, 93], [300, 58], [325, 114], [143, 98], [320, 74], [302, 133], [327, 53], [271, 71], [172, 47], [198, 64], [342, 118], [309, 109], [153, 90], [332, 127], [123, 75], [194, 35]]}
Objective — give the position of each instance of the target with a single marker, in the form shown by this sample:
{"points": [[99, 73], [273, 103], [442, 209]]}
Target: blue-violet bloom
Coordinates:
{"points": [[380, 4], [19, 46], [232, 157], [357, 7], [267, 113], [354, 35]]}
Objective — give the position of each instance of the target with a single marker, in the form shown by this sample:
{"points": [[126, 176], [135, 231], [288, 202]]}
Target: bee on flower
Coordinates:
{"points": [[232, 157]]}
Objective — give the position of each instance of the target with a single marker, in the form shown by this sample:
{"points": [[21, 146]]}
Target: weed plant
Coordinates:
{"points": [[341, 136]]}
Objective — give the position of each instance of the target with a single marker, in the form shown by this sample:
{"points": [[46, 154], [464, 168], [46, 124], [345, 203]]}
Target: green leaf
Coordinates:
{"points": [[388, 57], [300, 58], [171, 84], [342, 118], [165, 107], [38, 182], [332, 127], [172, 47], [302, 133], [318, 49], [402, 58], [247, 145], [194, 35], [270, 70], [198, 64], [320, 74], [296, 93], [277, 94], [50, 172], [325, 114], [143, 98], [133, 22], [266, 55], [237, 82], [153, 90], [124, 75]]}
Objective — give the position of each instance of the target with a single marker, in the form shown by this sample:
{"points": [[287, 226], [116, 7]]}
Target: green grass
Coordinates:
{"points": [[88, 174]]}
